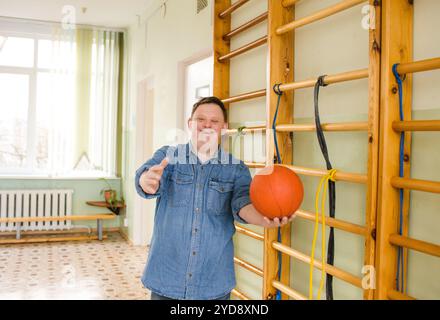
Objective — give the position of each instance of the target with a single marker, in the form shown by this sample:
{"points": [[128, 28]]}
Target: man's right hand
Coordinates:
{"points": [[150, 180]]}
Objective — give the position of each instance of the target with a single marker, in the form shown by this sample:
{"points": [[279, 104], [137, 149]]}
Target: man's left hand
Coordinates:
{"points": [[276, 222]]}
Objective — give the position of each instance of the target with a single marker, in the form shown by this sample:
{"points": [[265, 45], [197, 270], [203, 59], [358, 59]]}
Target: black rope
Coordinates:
{"points": [[331, 186], [277, 90]]}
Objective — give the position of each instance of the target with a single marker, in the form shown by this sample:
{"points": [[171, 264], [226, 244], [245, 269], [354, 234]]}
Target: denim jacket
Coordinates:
{"points": [[192, 254]]}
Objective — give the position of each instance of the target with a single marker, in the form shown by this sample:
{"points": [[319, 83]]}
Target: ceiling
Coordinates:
{"points": [[104, 13]]}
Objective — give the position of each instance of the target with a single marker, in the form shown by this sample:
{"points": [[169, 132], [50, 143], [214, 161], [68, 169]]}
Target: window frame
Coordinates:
{"points": [[30, 170]]}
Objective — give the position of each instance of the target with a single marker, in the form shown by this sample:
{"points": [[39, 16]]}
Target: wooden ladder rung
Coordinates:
{"points": [[288, 290], [246, 26], [335, 223], [255, 164], [341, 77], [416, 125], [240, 295], [249, 232], [245, 96], [340, 176], [418, 245], [338, 127], [254, 44], [419, 66], [338, 273], [246, 130], [232, 8], [248, 266], [344, 5], [415, 184]]}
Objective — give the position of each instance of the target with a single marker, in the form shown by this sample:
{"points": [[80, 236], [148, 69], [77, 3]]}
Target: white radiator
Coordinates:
{"points": [[36, 203]]}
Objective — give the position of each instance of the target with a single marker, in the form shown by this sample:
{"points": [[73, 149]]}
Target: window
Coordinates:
{"points": [[58, 103], [10, 48], [14, 93]]}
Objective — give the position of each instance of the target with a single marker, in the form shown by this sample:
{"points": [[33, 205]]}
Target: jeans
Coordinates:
{"points": [[155, 296]]}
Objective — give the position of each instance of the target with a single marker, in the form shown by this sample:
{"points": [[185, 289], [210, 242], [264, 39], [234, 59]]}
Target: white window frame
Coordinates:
{"points": [[30, 170], [31, 120]]}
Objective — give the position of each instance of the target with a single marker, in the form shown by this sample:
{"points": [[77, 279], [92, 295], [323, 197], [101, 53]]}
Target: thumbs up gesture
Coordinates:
{"points": [[149, 180]]}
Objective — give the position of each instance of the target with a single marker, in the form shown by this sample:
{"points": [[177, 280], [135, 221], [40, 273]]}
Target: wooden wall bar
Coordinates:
{"points": [[280, 70], [397, 21]]}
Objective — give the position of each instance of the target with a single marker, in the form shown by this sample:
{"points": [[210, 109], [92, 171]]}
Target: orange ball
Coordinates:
{"points": [[276, 191]]}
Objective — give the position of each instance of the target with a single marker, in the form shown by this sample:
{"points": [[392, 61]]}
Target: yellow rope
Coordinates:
{"points": [[324, 181]]}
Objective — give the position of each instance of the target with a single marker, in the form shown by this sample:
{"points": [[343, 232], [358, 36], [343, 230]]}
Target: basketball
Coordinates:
{"points": [[276, 191]]}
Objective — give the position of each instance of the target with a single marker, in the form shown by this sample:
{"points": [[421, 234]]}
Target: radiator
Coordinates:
{"points": [[36, 203]]}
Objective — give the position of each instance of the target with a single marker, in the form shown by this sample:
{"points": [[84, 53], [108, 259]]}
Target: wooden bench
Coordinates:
{"points": [[98, 217]]}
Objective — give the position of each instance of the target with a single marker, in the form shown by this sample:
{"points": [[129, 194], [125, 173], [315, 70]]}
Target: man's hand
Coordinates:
{"points": [[251, 215], [150, 180], [276, 222]]}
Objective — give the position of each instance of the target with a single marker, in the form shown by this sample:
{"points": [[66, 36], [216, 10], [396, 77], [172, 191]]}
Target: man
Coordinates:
{"points": [[200, 191]]}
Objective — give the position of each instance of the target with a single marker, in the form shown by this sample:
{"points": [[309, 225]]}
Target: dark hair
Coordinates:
{"points": [[213, 100]]}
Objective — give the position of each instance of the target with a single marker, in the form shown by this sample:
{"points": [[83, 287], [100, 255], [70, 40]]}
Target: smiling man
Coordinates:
{"points": [[200, 189]]}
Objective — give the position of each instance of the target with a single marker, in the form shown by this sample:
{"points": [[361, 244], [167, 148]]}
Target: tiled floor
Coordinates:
{"points": [[73, 270]]}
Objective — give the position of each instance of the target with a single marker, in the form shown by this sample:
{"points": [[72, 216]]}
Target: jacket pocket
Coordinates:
{"points": [[219, 196], [181, 189]]}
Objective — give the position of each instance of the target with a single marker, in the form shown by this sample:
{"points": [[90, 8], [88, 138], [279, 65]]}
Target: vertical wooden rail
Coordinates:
{"points": [[373, 136], [221, 47], [397, 28], [279, 70], [221, 70]]}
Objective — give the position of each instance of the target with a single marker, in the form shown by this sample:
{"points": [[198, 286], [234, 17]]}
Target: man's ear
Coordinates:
{"points": [[189, 123]]}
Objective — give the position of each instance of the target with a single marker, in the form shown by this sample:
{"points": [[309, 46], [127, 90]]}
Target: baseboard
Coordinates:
{"points": [[50, 239], [66, 232], [125, 236]]}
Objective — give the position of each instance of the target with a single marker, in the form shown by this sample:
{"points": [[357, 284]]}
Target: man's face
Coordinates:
{"points": [[206, 125]]}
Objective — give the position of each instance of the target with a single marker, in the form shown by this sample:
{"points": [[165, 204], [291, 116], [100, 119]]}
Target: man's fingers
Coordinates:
{"points": [[152, 182], [150, 186], [150, 190], [153, 176], [150, 175], [156, 168], [164, 163], [284, 220]]}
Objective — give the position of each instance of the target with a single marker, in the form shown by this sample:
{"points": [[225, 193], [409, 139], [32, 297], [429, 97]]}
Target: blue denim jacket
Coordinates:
{"points": [[192, 253]]}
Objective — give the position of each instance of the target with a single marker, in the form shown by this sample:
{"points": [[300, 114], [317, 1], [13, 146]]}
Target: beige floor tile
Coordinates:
{"points": [[73, 270]]}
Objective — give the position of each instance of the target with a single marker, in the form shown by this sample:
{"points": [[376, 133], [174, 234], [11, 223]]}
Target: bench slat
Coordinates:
{"points": [[50, 239], [72, 218]]}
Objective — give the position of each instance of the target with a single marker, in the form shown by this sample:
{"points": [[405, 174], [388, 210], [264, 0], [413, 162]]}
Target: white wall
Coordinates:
{"points": [[157, 47]]}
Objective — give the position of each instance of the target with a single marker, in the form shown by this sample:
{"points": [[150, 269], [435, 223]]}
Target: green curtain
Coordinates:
{"points": [[99, 98], [84, 42]]}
